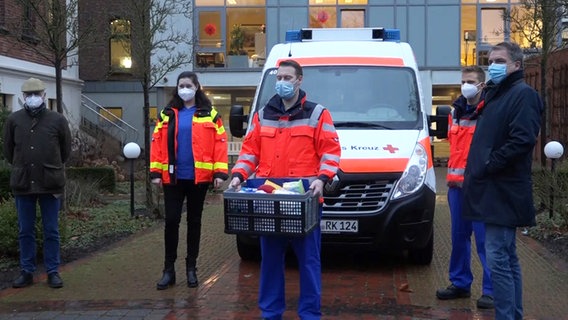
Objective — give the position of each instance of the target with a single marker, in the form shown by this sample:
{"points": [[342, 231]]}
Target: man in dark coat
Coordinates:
{"points": [[497, 183], [37, 142]]}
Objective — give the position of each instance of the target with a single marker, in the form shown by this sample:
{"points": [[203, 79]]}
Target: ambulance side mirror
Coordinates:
{"points": [[236, 120], [441, 121]]}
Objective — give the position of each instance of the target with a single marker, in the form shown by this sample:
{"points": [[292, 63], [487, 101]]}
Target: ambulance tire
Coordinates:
{"points": [[422, 256], [248, 252]]}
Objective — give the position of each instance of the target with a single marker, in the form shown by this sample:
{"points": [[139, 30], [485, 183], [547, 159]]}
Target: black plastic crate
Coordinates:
{"points": [[270, 214]]}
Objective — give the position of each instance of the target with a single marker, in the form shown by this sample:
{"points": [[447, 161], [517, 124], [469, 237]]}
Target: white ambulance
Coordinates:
{"points": [[383, 196]]}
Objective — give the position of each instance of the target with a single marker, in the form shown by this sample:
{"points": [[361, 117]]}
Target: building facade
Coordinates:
{"points": [[22, 55], [232, 38]]}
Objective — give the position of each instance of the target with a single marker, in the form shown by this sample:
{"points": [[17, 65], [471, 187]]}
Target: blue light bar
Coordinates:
{"points": [[391, 35], [294, 36], [343, 34]]}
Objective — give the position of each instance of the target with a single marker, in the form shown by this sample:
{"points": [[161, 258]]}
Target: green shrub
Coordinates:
{"points": [[9, 245], [4, 113], [81, 193], [105, 177], [8, 228], [5, 191], [544, 184]]}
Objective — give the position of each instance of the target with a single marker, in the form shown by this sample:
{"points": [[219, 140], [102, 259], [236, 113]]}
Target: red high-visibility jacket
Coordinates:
{"points": [[460, 132], [299, 142], [209, 145]]}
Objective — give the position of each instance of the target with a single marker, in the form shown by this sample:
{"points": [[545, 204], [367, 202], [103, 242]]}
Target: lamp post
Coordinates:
{"points": [[553, 150], [131, 151]]}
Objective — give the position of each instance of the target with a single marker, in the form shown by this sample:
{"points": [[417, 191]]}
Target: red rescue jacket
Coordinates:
{"points": [[460, 132], [209, 145], [299, 142]]}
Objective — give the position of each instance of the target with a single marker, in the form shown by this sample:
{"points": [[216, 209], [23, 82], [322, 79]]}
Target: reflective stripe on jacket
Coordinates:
{"points": [[460, 132], [299, 142], [209, 145]]}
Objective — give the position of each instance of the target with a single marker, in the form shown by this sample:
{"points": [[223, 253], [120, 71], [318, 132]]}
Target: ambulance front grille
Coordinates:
{"points": [[360, 198]]}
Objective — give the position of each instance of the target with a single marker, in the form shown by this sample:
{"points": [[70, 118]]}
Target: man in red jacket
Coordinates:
{"points": [[463, 120], [290, 137]]}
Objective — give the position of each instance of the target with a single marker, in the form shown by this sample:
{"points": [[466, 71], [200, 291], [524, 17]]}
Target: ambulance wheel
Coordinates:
{"points": [[248, 251], [422, 256]]}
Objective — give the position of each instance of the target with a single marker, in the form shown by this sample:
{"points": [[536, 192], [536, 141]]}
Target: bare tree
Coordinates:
{"points": [[160, 47], [51, 30], [539, 23]]}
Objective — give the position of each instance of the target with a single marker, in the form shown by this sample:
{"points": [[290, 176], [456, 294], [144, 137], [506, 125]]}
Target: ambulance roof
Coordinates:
{"points": [[334, 48]]}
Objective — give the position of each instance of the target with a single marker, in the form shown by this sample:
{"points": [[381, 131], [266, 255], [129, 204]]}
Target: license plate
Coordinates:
{"points": [[339, 226]]}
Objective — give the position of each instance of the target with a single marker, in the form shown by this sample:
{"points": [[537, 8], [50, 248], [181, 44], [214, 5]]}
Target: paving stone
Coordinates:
{"points": [[120, 283]]}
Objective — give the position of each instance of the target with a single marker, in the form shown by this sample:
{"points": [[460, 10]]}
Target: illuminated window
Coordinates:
{"points": [[337, 13], [232, 36], [526, 30], [469, 35], [120, 45], [153, 114], [110, 115]]}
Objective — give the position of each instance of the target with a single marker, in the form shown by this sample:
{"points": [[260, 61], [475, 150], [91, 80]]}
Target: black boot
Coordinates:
{"points": [[23, 280], [168, 278], [190, 269]]}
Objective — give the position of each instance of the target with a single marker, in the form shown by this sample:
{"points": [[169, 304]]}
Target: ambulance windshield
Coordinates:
{"points": [[359, 96]]}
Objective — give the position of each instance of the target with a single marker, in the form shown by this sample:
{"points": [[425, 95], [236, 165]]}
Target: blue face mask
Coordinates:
{"points": [[497, 72], [285, 89]]}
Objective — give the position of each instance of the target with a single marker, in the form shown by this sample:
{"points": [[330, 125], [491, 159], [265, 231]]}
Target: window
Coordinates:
{"points": [[110, 115], [28, 27], [2, 15], [469, 35], [231, 33], [337, 13], [399, 106], [120, 45], [6, 102], [564, 32], [153, 114]]}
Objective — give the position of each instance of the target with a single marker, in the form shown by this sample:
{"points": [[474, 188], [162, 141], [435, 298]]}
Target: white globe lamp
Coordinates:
{"points": [[553, 150], [131, 151]]}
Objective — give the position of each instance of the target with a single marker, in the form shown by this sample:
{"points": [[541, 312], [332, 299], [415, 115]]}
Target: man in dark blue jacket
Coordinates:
{"points": [[497, 183]]}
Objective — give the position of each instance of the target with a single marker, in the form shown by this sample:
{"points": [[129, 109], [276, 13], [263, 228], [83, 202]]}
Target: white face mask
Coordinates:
{"points": [[33, 101], [186, 94], [469, 90]]}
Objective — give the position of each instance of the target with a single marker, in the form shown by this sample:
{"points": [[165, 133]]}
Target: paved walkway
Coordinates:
{"points": [[119, 283]]}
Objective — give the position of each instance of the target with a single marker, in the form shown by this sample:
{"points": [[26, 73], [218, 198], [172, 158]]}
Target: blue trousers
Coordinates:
{"points": [[272, 296], [49, 207], [460, 259], [505, 271]]}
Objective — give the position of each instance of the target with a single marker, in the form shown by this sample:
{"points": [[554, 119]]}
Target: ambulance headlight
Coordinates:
{"points": [[414, 175]]}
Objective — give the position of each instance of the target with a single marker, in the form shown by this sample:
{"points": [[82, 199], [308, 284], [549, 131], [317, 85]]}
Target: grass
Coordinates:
{"points": [[90, 227]]}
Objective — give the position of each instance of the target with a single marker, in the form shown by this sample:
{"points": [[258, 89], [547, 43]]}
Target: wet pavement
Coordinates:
{"points": [[119, 282]]}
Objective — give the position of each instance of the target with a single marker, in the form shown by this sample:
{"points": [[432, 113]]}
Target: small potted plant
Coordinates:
{"points": [[238, 57]]}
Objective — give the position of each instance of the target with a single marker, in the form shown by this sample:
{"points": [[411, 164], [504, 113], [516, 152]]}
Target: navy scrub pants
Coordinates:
{"points": [[272, 299]]}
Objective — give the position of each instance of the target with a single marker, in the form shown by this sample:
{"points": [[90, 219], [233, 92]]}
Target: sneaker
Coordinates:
{"points": [[452, 292], [54, 280], [23, 280], [485, 302]]}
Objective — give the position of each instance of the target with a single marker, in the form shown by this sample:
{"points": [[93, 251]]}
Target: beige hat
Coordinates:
{"points": [[33, 85]]}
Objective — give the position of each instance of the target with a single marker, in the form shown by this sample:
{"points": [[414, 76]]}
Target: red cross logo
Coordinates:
{"points": [[390, 148]]}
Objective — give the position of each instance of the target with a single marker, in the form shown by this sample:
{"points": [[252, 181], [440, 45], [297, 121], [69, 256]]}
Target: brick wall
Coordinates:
{"points": [[9, 44], [94, 57], [557, 94]]}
